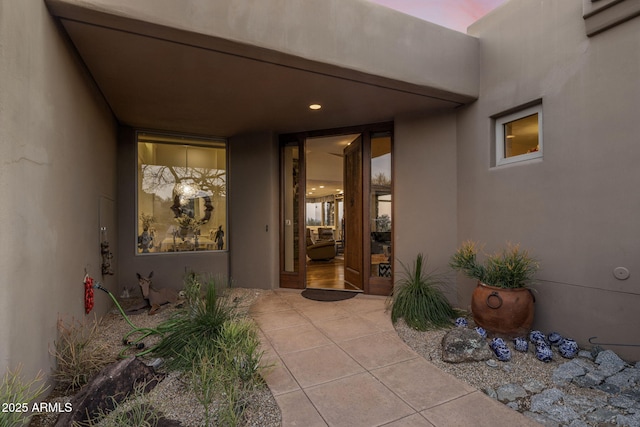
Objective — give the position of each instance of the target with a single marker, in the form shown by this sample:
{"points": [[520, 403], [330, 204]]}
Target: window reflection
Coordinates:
{"points": [[380, 205], [182, 193]]}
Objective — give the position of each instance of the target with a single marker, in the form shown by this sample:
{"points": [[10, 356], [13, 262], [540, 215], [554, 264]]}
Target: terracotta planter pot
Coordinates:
{"points": [[503, 311]]}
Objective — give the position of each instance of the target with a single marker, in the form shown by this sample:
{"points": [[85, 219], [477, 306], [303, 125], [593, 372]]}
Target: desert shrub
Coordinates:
{"points": [[418, 298], [194, 330], [14, 390], [78, 354]]}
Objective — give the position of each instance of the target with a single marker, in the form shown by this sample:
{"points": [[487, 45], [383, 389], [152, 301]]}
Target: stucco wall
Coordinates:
{"points": [[425, 182], [57, 156], [254, 210], [577, 208]]}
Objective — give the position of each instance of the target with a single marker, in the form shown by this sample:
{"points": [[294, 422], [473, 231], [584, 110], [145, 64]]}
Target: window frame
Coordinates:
{"points": [[501, 121], [187, 140]]}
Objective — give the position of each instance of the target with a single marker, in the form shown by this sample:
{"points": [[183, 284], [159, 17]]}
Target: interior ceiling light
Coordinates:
{"points": [[315, 106]]}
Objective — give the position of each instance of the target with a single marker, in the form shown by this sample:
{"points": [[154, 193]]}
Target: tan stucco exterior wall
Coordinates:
{"points": [[424, 185], [577, 208], [254, 210], [57, 174]]}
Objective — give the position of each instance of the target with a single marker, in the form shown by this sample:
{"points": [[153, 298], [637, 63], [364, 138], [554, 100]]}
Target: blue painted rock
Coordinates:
{"points": [[461, 322], [502, 353], [481, 332], [568, 348], [554, 338], [497, 342], [544, 352], [521, 344], [537, 338]]}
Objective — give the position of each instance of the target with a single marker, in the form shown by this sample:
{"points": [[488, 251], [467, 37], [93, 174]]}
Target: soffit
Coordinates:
{"points": [[169, 79]]}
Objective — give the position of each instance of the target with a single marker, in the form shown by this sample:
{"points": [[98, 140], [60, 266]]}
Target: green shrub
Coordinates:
{"points": [[195, 329], [418, 298], [15, 391]]}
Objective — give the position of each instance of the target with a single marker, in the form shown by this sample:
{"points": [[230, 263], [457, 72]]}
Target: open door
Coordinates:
{"points": [[353, 244], [363, 235]]}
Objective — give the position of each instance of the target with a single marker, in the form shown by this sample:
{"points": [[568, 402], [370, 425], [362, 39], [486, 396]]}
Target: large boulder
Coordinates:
{"points": [[112, 384], [464, 345]]}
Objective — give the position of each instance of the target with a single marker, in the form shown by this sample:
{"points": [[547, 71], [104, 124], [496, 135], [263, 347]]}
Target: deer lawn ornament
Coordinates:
{"points": [[156, 296]]}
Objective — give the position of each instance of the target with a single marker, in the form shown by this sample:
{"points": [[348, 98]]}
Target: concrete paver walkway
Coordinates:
{"points": [[342, 364]]}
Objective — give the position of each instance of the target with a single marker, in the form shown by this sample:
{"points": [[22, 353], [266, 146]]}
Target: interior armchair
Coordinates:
{"points": [[320, 250]]}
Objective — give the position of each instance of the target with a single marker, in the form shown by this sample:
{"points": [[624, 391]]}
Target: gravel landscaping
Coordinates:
{"points": [[594, 389]]}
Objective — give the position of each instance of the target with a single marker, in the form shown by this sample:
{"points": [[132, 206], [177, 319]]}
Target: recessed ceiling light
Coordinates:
{"points": [[322, 186], [315, 106], [313, 188]]}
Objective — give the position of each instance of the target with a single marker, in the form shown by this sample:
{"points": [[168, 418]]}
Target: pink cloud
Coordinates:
{"points": [[455, 14]]}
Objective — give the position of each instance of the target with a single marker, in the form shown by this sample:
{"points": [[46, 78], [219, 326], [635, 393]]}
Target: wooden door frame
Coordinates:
{"points": [[296, 280]]}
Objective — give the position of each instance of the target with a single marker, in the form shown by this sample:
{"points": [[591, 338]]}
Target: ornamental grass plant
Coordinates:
{"points": [[15, 395], [78, 354], [195, 329], [510, 268], [419, 300]]}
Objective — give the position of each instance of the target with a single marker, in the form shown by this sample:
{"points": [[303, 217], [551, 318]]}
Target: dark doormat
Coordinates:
{"points": [[327, 294]]}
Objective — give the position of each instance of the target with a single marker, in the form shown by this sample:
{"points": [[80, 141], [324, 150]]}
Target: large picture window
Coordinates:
{"points": [[182, 194]]}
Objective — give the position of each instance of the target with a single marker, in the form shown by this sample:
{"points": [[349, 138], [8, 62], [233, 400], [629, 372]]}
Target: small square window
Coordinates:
{"points": [[519, 136]]}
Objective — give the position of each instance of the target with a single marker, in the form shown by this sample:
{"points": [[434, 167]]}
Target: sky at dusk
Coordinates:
{"points": [[455, 14]]}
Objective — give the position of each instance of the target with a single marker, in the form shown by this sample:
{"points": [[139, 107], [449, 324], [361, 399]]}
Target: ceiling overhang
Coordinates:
{"points": [[158, 75]]}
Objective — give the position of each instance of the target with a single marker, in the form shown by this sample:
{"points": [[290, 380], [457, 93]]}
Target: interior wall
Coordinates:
{"points": [[577, 208], [169, 268], [57, 185], [254, 210], [424, 188]]}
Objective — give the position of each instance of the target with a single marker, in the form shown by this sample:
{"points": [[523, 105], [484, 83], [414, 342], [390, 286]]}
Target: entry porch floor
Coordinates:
{"points": [[342, 364]]}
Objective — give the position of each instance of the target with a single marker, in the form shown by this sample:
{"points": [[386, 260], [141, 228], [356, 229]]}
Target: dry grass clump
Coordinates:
{"points": [[78, 354]]}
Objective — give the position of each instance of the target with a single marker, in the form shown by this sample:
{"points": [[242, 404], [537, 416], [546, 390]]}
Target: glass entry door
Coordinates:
{"points": [[337, 235]]}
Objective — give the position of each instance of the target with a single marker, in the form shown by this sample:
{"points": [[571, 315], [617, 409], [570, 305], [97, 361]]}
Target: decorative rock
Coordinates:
{"points": [[513, 405], [461, 322], [533, 386], [566, 372], [497, 342], [492, 363], [568, 348], [510, 392], [627, 378], [537, 337], [491, 393], [541, 419], [608, 388], [502, 353], [628, 420], [609, 363], [554, 338], [521, 344], [464, 345], [591, 379], [586, 355], [602, 415], [622, 401], [584, 405], [481, 332], [541, 401], [562, 414], [544, 353]]}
